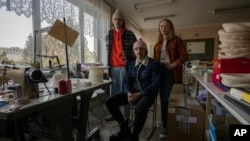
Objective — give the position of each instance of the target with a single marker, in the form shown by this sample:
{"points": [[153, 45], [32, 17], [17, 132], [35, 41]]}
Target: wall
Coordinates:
{"points": [[188, 33]]}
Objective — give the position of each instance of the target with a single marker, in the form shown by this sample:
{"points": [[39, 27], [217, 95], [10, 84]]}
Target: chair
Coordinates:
{"points": [[153, 109], [97, 100]]}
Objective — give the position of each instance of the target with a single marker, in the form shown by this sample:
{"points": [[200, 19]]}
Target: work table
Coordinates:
{"points": [[55, 107]]}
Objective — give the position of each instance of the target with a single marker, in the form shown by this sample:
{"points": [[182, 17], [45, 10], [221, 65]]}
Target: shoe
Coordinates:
{"points": [[134, 137], [123, 134], [109, 118], [163, 133]]}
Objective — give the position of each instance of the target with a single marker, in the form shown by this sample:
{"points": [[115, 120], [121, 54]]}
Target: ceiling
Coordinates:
{"points": [[187, 13]]}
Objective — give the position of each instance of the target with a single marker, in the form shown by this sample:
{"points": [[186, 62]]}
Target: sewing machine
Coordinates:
{"points": [[27, 77]]}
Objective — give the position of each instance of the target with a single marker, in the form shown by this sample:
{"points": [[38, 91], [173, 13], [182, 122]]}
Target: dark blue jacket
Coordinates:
{"points": [[148, 77]]}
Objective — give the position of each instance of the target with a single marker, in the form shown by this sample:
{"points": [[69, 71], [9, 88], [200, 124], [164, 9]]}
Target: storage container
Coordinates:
{"points": [[237, 65]]}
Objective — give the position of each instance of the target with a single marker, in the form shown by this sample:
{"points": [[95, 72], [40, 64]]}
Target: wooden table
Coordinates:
{"points": [[56, 108]]}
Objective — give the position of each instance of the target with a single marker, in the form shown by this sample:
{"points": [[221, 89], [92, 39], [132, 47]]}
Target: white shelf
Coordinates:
{"points": [[239, 114]]}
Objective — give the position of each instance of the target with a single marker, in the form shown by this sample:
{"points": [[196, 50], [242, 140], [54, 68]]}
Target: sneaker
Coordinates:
{"points": [[163, 133], [109, 118]]}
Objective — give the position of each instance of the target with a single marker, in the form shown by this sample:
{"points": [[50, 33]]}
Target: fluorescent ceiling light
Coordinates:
{"points": [[158, 17], [230, 10], [151, 4]]}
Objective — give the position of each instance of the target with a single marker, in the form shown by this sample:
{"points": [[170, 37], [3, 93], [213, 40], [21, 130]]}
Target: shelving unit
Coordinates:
{"points": [[217, 94]]}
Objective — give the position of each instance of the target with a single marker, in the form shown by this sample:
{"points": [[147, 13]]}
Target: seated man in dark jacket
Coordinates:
{"points": [[143, 76]]}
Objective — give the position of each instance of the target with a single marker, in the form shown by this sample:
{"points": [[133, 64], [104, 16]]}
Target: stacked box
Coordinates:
{"points": [[186, 119]]}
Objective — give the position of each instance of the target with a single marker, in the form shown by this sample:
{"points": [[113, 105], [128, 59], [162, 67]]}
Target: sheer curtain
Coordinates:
{"points": [[50, 10]]}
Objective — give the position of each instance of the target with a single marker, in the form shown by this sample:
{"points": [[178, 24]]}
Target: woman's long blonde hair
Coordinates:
{"points": [[171, 34]]}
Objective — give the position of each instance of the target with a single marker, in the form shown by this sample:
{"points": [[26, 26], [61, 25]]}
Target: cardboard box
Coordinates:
{"points": [[186, 119], [208, 76], [236, 65], [221, 125]]}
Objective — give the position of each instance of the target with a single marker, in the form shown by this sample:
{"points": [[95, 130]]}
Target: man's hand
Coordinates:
{"points": [[133, 97]]}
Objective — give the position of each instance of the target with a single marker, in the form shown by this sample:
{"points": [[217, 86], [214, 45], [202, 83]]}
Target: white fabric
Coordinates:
{"points": [[233, 41], [233, 46], [236, 27], [234, 51], [57, 9], [225, 41], [234, 35], [236, 79], [228, 56]]}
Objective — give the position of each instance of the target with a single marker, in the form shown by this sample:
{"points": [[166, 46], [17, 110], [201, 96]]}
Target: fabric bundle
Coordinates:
{"points": [[236, 80], [235, 43]]}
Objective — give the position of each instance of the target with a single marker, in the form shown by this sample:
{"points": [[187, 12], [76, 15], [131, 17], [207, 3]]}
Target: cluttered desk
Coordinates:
{"points": [[47, 115]]}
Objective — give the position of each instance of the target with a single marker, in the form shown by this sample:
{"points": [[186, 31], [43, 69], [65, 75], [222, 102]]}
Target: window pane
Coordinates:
{"points": [[53, 48], [90, 52], [15, 37]]}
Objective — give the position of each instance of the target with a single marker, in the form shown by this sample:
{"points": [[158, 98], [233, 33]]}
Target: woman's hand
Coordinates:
{"points": [[171, 66]]}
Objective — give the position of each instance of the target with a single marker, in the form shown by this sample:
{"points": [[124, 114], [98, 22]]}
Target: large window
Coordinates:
{"points": [[18, 38]]}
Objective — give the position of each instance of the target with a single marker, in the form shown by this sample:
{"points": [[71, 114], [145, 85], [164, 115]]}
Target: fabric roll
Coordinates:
{"points": [[234, 51], [228, 56], [234, 35], [62, 87], [236, 80], [226, 41], [235, 46], [236, 27]]}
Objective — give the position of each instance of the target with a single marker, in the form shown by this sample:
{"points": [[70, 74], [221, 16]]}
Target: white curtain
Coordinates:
{"points": [[50, 10]]}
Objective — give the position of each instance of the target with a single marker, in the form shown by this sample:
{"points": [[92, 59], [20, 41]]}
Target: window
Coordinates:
{"points": [[90, 52], [13, 39], [95, 24]]}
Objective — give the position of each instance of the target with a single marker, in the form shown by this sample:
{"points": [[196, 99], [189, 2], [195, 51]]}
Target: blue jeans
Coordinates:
{"points": [[167, 82], [119, 77]]}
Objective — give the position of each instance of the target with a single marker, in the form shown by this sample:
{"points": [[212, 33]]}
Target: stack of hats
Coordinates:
{"points": [[235, 45], [235, 40]]}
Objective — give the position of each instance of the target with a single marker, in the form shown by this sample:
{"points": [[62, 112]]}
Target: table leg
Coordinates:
{"points": [[83, 116], [208, 111]]}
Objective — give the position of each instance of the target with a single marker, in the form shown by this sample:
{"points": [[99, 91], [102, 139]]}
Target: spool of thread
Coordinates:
{"points": [[62, 87], [69, 86]]}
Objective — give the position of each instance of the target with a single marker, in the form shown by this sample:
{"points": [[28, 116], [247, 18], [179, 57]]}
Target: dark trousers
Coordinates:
{"points": [[167, 82], [141, 109]]}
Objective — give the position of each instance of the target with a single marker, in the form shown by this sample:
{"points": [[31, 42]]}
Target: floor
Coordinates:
{"points": [[110, 127]]}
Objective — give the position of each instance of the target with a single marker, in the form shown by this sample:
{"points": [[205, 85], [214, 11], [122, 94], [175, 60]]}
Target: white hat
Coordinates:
{"points": [[118, 14]]}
